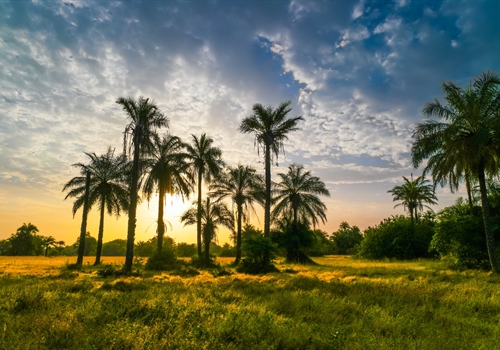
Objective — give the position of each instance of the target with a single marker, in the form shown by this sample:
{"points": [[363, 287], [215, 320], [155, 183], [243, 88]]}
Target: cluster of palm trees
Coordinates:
{"points": [[164, 164], [462, 144]]}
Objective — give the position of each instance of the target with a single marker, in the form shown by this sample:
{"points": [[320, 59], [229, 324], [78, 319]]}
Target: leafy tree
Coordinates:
{"points": [[346, 238], [271, 128], [414, 195], [213, 215], [116, 247], [23, 242], [145, 119], [206, 162], [90, 244], [465, 140], [321, 245], [294, 239], [296, 196], [166, 169], [108, 188], [185, 249], [244, 186]]}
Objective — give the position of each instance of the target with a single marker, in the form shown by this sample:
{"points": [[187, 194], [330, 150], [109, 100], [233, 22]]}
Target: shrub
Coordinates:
{"points": [[259, 252], [346, 239], [164, 261], [396, 237], [294, 239]]}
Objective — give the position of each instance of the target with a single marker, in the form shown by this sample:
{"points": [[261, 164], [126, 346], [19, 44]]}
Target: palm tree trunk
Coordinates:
{"points": [[198, 214], [129, 255], [238, 235], [83, 229], [295, 217], [161, 224], [206, 234], [100, 235], [267, 207], [469, 195], [490, 238]]}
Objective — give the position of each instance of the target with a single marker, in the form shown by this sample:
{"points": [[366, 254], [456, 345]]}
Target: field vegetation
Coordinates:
{"points": [[341, 303]]}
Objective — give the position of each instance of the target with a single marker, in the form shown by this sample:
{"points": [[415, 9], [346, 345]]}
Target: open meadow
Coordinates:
{"points": [[341, 303]]}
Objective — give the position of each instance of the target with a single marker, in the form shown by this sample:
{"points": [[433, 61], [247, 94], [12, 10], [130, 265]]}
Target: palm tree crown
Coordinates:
{"points": [[465, 142], [166, 169], [296, 196], [205, 162], [145, 118], [243, 186], [270, 127], [414, 195], [108, 187]]}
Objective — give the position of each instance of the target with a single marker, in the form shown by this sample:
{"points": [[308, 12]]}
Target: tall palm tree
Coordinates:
{"points": [[270, 127], [213, 215], [145, 118], [296, 196], [467, 135], [244, 186], [205, 162], [414, 195], [167, 173], [108, 188]]}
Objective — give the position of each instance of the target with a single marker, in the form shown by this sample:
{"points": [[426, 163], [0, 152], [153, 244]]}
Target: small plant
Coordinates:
{"points": [[109, 270]]}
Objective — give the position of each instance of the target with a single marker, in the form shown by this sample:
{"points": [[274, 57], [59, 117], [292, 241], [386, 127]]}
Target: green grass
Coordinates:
{"points": [[346, 304]]}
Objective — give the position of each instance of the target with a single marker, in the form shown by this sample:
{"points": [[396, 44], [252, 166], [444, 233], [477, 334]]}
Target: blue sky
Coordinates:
{"points": [[358, 72]]}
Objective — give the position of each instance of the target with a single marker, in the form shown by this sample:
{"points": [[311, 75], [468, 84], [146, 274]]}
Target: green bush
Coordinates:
{"points": [[294, 239], [346, 239], [396, 237], [259, 252], [165, 261]]}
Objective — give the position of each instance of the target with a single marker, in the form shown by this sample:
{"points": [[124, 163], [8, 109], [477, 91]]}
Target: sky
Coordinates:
{"points": [[358, 72]]}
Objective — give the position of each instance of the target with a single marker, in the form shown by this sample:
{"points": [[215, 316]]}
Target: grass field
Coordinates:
{"points": [[342, 303]]}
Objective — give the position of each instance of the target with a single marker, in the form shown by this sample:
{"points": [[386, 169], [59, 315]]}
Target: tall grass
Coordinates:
{"points": [[340, 304]]}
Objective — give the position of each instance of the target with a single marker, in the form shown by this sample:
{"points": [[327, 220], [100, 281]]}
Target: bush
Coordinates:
{"points": [[165, 261], [259, 252], [460, 236], [346, 239], [395, 237], [294, 239]]}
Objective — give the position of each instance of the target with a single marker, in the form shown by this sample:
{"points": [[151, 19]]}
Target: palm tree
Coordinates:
{"points": [[270, 127], [296, 196], [166, 169], [244, 186], [213, 215], [467, 136], [108, 188], [414, 195], [205, 162], [145, 118]]}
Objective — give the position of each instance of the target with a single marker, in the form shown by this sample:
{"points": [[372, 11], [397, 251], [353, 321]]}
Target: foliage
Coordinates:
{"points": [[321, 245], [293, 238], [185, 249], [227, 251], [116, 247], [346, 239], [396, 237], [259, 253], [90, 245], [460, 236], [163, 260], [25, 241]]}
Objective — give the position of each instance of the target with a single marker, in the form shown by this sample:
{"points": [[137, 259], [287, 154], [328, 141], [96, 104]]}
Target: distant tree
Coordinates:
{"points": [[90, 244], [244, 186], [414, 195], [23, 242], [465, 140], [50, 242], [185, 249], [296, 196], [321, 245], [213, 215], [145, 118], [108, 188], [205, 162], [167, 173], [116, 247], [271, 128], [346, 238]]}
